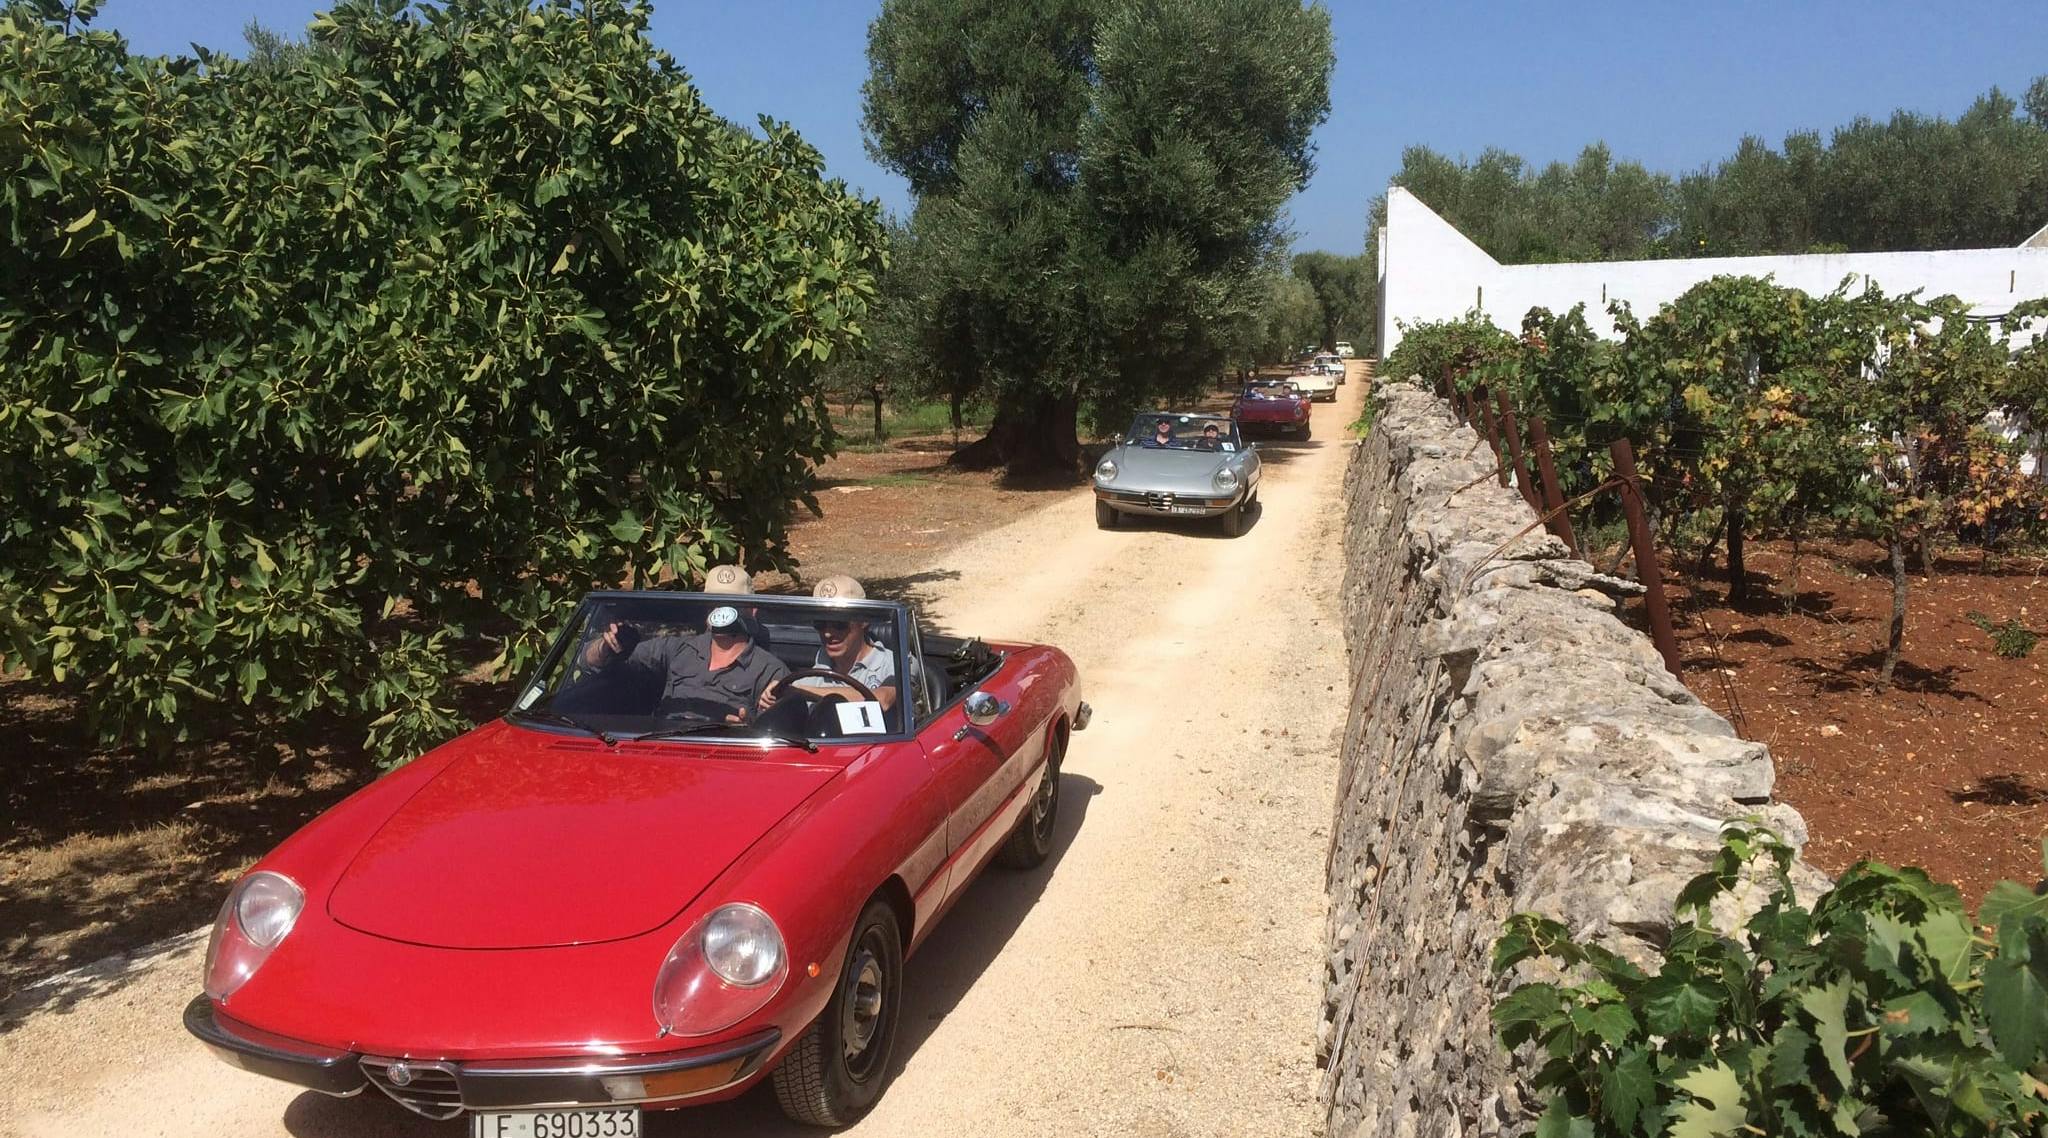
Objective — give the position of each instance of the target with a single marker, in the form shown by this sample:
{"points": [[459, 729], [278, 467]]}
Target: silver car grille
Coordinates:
{"points": [[426, 1089], [1159, 500]]}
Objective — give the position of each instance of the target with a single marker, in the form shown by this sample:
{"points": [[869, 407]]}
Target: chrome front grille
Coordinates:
{"points": [[425, 1088], [1159, 501]]}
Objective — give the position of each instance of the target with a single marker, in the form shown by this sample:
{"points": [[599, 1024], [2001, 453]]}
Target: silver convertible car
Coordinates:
{"points": [[1170, 465]]}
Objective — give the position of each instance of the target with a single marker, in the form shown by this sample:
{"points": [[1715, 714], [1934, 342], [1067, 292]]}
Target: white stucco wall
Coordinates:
{"points": [[1433, 272]]}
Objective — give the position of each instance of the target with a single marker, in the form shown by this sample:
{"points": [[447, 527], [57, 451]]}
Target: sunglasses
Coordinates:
{"points": [[832, 625]]}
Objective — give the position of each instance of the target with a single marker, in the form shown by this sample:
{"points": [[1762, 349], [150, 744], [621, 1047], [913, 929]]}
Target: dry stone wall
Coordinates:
{"points": [[1512, 746]]}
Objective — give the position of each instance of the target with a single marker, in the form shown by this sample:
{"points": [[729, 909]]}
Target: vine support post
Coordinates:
{"points": [[1449, 392], [1513, 431], [1492, 432], [1553, 491], [1646, 554]]}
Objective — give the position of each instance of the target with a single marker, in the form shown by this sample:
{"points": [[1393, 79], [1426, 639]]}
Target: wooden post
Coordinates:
{"points": [[1646, 555], [1492, 433], [1553, 490], [1513, 431]]}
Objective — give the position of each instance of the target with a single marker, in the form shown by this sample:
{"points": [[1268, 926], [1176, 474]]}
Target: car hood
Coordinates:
{"points": [[530, 841]]}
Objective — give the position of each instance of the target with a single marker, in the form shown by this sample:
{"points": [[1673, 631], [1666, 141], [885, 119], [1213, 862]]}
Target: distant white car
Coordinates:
{"points": [[1331, 366], [1319, 385], [1344, 349]]}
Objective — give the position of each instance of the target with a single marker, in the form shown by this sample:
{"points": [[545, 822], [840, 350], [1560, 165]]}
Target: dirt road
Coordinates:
{"points": [[1160, 976]]}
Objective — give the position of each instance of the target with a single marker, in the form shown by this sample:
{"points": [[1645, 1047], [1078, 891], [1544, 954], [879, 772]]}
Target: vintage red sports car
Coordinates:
{"points": [[693, 856], [1276, 404]]}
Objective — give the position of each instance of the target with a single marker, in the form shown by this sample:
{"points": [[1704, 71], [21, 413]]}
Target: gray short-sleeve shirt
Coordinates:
{"points": [[876, 667], [685, 664]]}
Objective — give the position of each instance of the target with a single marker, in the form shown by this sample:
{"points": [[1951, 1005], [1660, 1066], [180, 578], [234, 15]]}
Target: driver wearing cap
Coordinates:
{"points": [[844, 646], [720, 666]]}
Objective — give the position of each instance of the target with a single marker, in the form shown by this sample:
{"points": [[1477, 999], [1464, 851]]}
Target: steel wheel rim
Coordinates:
{"points": [[1042, 802], [861, 1013]]}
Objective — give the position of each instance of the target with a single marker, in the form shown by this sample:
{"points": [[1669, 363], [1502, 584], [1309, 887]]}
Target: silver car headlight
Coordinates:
{"points": [[722, 969], [259, 912], [743, 946], [1105, 471], [1226, 480]]}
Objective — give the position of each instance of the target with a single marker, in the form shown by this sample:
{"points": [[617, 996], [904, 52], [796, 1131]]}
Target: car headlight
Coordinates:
{"points": [[258, 914], [1105, 471], [1226, 480], [722, 969]]}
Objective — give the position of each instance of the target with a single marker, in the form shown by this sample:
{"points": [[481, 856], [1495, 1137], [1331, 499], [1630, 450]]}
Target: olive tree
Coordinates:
{"points": [[1101, 182]]}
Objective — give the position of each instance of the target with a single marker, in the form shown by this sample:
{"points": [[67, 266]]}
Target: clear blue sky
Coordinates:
{"points": [[1672, 85]]}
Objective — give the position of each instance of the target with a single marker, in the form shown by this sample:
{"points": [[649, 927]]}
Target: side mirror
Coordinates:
{"points": [[983, 709]]}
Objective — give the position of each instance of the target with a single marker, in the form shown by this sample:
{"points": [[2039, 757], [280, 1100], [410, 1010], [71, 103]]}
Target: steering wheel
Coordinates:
{"points": [[789, 680]]}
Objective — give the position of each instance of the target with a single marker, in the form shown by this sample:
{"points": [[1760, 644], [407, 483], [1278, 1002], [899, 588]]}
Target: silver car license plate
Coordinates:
{"points": [[597, 1122], [1187, 509]]}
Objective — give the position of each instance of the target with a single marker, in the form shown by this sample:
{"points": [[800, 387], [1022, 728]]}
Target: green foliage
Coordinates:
{"points": [[1458, 348], [1094, 240], [1910, 182], [1291, 316], [2023, 396], [1345, 288], [1881, 1010], [2009, 638], [313, 370], [1593, 209]]}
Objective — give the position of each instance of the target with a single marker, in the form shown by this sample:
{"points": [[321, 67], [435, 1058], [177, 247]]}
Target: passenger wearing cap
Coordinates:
{"points": [[731, 580], [1162, 433], [719, 673], [844, 647]]}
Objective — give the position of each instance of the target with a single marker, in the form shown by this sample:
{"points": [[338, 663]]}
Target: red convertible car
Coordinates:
{"points": [[1275, 404], [693, 856]]}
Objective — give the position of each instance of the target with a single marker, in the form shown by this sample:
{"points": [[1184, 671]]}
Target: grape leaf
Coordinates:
{"points": [[1716, 1108], [1829, 1007], [1627, 1087]]}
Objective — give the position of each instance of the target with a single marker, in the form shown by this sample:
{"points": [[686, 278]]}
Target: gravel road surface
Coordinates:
{"points": [[1161, 975]]}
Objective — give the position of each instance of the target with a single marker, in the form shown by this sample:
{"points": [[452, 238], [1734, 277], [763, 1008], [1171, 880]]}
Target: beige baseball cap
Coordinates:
{"points": [[839, 586], [728, 579]]}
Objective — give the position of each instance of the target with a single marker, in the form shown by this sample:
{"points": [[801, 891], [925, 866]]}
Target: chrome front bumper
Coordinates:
{"points": [[1166, 503], [445, 1089]]}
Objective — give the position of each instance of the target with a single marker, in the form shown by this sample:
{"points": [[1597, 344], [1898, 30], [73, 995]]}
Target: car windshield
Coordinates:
{"points": [[1269, 389], [1184, 432], [793, 669]]}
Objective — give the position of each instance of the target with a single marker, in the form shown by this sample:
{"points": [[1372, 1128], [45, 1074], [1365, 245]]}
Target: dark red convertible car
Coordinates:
{"points": [[651, 883], [1273, 404]]}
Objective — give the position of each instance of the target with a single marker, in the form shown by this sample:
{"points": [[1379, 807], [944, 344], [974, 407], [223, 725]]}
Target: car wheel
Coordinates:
{"points": [[1105, 515], [1030, 843], [1305, 427], [836, 1071], [1233, 520]]}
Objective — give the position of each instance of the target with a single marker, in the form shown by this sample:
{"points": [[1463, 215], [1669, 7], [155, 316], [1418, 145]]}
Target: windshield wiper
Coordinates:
{"points": [[543, 715], [725, 729]]}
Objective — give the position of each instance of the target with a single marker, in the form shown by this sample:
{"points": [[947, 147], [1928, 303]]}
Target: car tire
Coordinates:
{"points": [[1305, 429], [818, 1083], [1105, 515], [1233, 521], [1030, 843]]}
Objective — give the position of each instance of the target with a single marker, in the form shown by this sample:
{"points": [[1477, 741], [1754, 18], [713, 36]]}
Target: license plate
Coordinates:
{"points": [[605, 1122], [1187, 509]]}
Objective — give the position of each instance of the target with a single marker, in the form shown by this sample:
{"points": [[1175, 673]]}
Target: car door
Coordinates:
{"points": [[977, 770]]}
